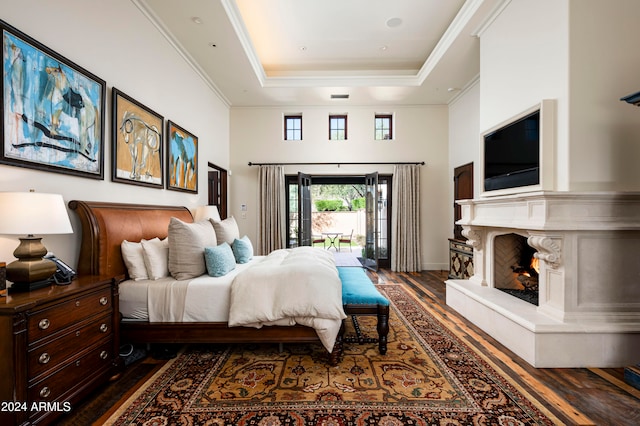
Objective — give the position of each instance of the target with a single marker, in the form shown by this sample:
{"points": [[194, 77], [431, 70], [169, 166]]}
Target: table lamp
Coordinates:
{"points": [[32, 213], [207, 212]]}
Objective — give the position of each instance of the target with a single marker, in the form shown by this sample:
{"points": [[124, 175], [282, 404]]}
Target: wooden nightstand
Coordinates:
{"points": [[58, 344]]}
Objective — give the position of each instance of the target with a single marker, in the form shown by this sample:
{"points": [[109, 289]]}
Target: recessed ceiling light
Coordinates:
{"points": [[213, 45], [196, 20], [383, 48], [394, 22], [303, 48]]}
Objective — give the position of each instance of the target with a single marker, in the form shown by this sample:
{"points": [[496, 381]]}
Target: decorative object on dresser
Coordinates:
{"points": [[31, 213], [460, 259], [59, 344]]}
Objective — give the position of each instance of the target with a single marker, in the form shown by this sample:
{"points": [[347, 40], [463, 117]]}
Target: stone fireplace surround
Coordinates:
{"points": [[588, 245]]}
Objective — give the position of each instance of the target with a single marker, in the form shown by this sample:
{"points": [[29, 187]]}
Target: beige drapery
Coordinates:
{"points": [[271, 209], [406, 253]]}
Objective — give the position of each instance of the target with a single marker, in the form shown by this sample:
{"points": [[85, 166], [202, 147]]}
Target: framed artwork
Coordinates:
{"points": [[52, 110], [182, 159], [136, 140]]}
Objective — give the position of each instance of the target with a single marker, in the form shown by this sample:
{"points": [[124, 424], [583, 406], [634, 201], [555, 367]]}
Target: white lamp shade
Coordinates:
{"points": [[33, 213], [207, 212]]}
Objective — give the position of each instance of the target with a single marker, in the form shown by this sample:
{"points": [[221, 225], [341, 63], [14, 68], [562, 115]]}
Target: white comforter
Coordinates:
{"points": [[290, 286]]}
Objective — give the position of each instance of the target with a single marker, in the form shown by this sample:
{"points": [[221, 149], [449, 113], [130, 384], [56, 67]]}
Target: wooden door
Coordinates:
{"points": [[462, 190]]}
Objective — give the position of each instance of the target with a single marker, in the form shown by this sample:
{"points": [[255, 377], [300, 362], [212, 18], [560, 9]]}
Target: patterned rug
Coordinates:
{"points": [[427, 377]]}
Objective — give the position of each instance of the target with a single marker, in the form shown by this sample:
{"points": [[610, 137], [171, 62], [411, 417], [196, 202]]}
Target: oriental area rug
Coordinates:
{"points": [[428, 377]]}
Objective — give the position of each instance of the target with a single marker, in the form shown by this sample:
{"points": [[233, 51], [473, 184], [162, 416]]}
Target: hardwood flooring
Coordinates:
{"points": [[575, 396], [594, 396]]}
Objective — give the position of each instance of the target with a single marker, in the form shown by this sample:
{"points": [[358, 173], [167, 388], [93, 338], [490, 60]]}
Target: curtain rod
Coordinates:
{"points": [[419, 163]]}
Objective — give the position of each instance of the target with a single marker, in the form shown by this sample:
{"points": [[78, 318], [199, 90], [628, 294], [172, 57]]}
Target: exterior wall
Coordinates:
{"points": [[421, 134], [116, 42]]}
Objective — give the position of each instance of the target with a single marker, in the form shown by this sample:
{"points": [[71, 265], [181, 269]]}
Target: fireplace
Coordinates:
{"points": [[516, 267], [586, 244]]}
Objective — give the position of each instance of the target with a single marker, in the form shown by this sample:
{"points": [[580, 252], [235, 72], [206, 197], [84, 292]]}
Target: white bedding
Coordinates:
{"points": [[287, 287], [206, 300], [290, 286]]}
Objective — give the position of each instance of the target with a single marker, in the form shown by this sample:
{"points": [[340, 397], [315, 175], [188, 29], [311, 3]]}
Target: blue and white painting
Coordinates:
{"points": [[52, 112]]}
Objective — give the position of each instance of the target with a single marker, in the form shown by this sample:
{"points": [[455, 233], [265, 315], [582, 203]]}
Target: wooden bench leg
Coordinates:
{"points": [[383, 328]]}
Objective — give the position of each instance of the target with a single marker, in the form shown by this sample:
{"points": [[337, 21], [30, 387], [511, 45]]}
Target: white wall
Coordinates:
{"points": [[604, 66], [421, 134], [464, 135], [579, 53], [116, 42]]}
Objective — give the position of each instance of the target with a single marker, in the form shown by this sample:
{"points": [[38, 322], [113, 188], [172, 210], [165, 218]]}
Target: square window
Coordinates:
{"points": [[383, 127], [293, 127], [337, 127]]}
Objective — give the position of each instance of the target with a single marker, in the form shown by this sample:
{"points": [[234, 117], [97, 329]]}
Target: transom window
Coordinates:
{"points": [[383, 127], [293, 127], [337, 127]]}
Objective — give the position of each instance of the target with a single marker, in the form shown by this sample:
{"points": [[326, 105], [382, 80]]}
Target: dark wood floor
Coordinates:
{"points": [[598, 396], [575, 396]]}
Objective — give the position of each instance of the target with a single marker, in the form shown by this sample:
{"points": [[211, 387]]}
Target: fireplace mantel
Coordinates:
{"points": [[588, 245]]}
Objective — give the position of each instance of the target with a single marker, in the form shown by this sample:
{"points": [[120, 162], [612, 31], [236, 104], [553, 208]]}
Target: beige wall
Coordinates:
{"points": [[116, 42], [421, 134]]}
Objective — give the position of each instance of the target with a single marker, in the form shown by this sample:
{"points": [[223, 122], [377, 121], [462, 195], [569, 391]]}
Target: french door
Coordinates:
{"points": [[304, 209], [371, 240]]}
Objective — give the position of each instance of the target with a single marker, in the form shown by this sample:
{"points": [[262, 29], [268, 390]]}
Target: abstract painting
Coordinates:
{"points": [[136, 134], [182, 159], [53, 110]]}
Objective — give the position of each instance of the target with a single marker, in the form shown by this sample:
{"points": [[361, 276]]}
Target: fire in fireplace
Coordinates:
{"points": [[516, 267]]}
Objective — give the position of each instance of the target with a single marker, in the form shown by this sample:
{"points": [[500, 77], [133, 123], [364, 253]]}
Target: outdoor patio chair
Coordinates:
{"points": [[345, 240], [318, 239]]}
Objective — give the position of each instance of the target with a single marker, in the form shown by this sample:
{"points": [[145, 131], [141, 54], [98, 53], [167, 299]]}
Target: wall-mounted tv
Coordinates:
{"points": [[512, 154]]}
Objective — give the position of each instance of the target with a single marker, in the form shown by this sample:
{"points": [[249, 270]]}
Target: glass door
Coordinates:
{"points": [[304, 209], [370, 254]]}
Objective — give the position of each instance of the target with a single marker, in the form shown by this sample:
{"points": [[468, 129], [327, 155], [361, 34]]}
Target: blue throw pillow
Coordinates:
{"points": [[242, 249], [219, 260]]}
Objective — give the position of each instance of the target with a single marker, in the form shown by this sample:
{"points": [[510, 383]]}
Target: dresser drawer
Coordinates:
{"points": [[48, 356], [76, 373], [47, 321]]}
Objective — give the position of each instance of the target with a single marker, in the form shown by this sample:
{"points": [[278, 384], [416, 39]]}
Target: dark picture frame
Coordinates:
{"points": [[136, 142], [182, 159], [52, 110]]}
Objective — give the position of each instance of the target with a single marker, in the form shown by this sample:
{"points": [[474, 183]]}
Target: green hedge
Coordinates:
{"points": [[329, 205]]}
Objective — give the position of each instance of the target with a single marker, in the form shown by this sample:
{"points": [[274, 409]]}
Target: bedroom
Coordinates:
{"points": [[583, 66]]}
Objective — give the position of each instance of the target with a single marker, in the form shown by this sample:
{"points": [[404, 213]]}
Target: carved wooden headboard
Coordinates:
{"points": [[105, 225]]}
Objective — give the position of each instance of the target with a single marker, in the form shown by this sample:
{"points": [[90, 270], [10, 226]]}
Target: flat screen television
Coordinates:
{"points": [[512, 154]]}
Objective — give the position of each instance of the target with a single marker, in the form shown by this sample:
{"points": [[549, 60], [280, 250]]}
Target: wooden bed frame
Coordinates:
{"points": [[105, 225]]}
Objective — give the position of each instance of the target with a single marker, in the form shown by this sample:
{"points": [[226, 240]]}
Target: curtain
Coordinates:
{"points": [[406, 253], [271, 209]]}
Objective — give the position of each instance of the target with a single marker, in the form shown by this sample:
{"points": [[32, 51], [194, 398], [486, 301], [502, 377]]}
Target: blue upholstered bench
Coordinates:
{"points": [[360, 297]]}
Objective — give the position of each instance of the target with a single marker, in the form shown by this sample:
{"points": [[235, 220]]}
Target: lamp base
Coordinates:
{"points": [[30, 271], [22, 287]]}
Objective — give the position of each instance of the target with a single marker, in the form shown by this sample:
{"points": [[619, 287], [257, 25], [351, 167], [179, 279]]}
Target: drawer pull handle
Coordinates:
{"points": [[104, 300], [104, 355], [77, 303], [78, 363], [104, 328], [45, 392], [78, 333], [44, 358], [44, 324]]}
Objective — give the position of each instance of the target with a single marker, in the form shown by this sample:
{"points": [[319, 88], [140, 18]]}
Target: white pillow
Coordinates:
{"points": [[186, 247], [226, 230], [133, 257], [156, 257]]}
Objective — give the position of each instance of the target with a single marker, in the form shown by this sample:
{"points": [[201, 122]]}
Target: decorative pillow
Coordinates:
{"points": [[156, 257], [186, 247], [242, 249], [133, 257], [226, 230], [219, 260]]}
